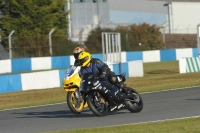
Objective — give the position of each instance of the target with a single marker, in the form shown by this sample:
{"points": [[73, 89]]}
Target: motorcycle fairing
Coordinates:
{"points": [[71, 80]]}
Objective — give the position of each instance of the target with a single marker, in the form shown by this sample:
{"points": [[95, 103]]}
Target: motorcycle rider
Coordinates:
{"points": [[101, 70]]}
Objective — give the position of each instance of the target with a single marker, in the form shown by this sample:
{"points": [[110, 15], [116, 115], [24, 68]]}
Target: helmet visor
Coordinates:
{"points": [[76, 55], [82, 61]]}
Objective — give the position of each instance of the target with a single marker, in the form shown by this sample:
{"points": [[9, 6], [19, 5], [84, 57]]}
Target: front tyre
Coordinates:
{"points": [[135, 102], [97, 104], [74, 105]]}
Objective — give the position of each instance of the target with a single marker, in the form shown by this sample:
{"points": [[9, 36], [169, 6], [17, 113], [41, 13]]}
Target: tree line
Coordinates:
{"points": [[32, 21]]}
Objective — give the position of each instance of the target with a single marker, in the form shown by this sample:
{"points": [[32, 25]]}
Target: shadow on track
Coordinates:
{"points": [[53, 114], [60, 114], [193, 99]]}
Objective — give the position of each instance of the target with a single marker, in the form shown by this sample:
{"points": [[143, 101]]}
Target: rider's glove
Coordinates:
{"points": [[102, 76]]}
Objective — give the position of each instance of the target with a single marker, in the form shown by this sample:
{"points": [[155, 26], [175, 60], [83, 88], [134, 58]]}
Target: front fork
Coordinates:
{"points": [[78, 95]]}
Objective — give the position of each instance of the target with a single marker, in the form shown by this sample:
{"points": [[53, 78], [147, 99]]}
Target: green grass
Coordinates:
{"points": [[163, 76], [157, 76], [191, 125]]}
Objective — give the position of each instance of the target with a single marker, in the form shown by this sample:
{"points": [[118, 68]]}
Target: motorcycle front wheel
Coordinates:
{"points": [[97, 104], [74, 105]]}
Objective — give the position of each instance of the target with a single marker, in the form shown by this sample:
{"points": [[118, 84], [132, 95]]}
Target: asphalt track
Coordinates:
{"points": [[157, 106]]}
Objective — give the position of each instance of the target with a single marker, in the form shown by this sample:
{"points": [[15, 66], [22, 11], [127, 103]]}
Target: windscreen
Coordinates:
{"points": [[70, 70]]}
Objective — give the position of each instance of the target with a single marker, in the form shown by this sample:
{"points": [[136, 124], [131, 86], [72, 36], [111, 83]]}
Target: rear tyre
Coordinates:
{"points": [[97, 104], [135, 104], [74, 105]]}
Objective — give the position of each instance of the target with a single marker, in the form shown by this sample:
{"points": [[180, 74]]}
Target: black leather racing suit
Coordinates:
{"points": [[101, 70]]}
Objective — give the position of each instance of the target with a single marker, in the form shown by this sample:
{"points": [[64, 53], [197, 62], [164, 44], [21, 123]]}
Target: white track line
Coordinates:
{"points": [[170, 90], [156, 121]]}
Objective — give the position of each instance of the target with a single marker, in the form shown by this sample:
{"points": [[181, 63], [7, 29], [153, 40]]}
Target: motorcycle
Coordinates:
{"points": [[71, 84], [101, 100]]}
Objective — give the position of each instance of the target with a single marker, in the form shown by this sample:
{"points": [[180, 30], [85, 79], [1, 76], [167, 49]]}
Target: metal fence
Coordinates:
{"points": [[38, 46], [180, 41], [179, 38], [35, 46]]}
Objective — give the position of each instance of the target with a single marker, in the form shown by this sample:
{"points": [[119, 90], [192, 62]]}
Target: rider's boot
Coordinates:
{"points": [[123, 87], [126, 90]]}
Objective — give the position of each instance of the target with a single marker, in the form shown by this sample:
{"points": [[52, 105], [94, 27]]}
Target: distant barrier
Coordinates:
{"points": [[188, 65], [38, 63], [132, 64], [61, 62]]}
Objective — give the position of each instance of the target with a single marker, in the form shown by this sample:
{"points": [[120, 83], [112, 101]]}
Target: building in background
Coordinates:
{"points": [[137, 11], [175, 16], [86, 15]]}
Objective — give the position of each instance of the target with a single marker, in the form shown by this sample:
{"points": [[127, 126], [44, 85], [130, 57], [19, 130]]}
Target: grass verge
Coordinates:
{"points": [[190, 125]]}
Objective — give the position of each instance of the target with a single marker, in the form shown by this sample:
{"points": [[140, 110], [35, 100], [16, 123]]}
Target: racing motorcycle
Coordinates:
{"points": [[102, 101], [71, 84]]}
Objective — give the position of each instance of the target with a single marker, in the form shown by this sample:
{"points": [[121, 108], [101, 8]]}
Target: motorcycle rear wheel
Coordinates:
{"points": [[97, 104], [135, 107], [73, 104]]}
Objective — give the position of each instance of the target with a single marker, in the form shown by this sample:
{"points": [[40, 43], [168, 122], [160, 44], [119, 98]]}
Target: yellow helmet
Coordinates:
{"points": [[84, 58]]}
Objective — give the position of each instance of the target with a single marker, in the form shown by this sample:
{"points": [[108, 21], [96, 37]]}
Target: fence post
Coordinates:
{"points": [[50, 42], [10, 45], [198, 36]]}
